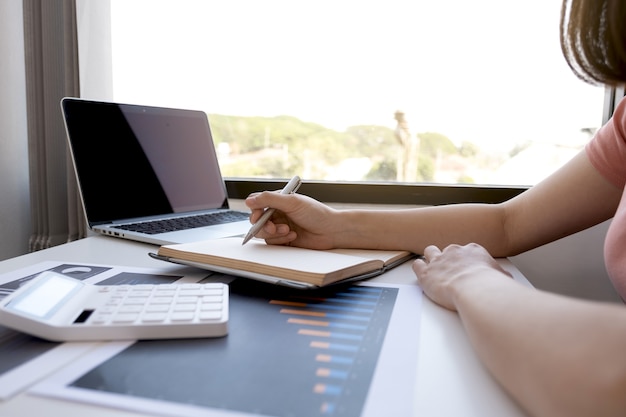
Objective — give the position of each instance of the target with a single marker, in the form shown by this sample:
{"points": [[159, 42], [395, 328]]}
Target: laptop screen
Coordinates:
{"points": [[136, 161]]}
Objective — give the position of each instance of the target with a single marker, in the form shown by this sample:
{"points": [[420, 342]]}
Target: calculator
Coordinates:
{"points": [[59, 308]]}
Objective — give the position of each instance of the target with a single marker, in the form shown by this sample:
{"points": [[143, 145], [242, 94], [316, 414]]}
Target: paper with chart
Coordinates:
{"points": [[26, 359], [345, 352]]}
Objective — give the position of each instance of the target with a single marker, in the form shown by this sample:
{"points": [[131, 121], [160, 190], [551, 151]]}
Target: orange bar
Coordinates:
{"points": [[323, 358], [309, 322], [319, 388], [288, 303], [303, 312], [323, 372], [318, 299], [307, 332], [321, 345]]}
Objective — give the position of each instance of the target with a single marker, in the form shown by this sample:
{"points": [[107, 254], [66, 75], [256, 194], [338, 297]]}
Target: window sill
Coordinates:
{"points": [[380, 193]]}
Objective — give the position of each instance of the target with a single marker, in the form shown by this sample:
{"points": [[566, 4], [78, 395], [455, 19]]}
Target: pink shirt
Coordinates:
{"points": [[607, 153]]}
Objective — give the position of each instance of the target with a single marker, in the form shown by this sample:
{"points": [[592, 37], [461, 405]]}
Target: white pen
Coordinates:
{"points": [[291, 187]]}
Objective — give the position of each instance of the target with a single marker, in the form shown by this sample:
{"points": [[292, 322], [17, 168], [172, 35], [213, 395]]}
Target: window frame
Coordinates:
{"points": [[427, 194], [380, 193], [97, 14]]}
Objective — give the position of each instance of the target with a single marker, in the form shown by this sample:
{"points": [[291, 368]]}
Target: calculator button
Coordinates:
{"points": [[186, 300], [164, 292], [161, 300], [125, 318], [156, 308], [212, 299], [182, 316], [210, 315], [130, 309], [101, 318], [210, 306], [184, 307], [136, 300], [153, 317], [212, 291], [190, 292], [137, 293]]}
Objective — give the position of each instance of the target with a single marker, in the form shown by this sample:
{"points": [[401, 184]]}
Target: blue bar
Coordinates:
{"points": [[346, 336], [344, 360], [340, 308], [347, 326], [351, 301], [347, 317], [334, 373], [332, 389], [339, 346]]}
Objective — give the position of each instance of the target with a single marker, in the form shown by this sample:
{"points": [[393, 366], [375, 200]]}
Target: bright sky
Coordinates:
{"points": [[486, 71]]}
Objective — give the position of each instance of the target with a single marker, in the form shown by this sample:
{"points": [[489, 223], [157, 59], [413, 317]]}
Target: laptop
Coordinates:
{"points": [[148, 174]]}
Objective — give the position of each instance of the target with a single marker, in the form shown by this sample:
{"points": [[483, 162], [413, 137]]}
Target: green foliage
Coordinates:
{"points": [[386, 170], [434, 144], [519, 148], [468, 150], [283, 146], [465, 179], [426, 168]]}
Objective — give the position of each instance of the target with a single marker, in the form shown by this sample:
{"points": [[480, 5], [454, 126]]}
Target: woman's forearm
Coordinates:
{"points": [[557, 356], [414, 229]]}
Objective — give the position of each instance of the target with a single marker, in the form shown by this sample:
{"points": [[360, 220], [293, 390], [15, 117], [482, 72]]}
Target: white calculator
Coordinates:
{"points": [[59, 308]]}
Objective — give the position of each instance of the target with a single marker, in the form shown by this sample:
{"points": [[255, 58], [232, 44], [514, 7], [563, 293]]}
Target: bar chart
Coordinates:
{"points": [[336, 327], [288, 353]]}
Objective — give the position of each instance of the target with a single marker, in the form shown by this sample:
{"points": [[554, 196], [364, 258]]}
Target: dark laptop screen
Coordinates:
{"points": [[136, 161]]}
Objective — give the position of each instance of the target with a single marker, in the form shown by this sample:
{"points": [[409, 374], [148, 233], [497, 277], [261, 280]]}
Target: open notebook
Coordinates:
{"points": [[149, 174], [283, 265]]}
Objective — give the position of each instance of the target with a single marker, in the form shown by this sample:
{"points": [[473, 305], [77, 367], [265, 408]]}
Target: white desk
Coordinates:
{"points": [[451, 380]]}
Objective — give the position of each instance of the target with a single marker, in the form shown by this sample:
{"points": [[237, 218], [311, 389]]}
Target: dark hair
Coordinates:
{"points": [[593, 40]]}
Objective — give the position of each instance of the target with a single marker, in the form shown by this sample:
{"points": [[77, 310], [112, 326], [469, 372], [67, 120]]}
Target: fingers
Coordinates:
{"points": [[281, 240], [431, 252], [272, 230], [266, 199]]}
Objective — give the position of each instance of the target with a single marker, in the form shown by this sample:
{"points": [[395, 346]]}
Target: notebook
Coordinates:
{"points": [[148, 173]]}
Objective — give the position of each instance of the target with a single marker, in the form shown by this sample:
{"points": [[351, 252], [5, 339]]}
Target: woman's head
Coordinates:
{"points": [[593, 39]]}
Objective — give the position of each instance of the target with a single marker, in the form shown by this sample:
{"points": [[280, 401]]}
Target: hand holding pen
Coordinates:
{"points": [[291, 187]]}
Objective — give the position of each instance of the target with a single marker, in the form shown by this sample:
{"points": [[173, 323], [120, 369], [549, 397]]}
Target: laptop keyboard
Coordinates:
{"points": [[184, 223]]}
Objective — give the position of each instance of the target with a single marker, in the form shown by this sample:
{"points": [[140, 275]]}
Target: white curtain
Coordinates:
{"points": [[51, 58]]}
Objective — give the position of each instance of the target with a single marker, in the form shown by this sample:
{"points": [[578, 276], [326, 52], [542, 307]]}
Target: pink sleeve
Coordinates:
{"points": [[607, 150]]}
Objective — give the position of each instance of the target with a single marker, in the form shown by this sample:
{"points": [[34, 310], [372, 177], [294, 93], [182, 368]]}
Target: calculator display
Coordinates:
{"points": [[42, 299]]}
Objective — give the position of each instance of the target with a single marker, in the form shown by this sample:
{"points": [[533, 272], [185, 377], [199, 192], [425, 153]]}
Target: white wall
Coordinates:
{"points": [[15, 221], [573, 265]]}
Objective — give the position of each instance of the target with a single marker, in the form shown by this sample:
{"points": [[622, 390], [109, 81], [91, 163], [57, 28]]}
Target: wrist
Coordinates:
{"points": [[352, 230], [479, 282]]}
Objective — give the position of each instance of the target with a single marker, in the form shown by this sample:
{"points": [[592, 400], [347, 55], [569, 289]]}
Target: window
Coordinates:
{"points": [[427, 91]]}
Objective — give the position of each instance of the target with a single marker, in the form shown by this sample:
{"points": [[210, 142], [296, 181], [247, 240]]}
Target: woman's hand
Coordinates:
{"points": [[298, 220], [442, 274]]}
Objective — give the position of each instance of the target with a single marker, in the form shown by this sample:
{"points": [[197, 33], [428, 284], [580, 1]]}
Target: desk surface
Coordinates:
{"points": [[451, 379]]}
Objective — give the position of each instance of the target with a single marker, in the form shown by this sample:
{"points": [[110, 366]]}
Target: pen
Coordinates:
{"points": [[291, 187]]}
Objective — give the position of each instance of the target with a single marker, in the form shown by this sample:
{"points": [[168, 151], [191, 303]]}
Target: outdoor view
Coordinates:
{"points": [[446, 91]]}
